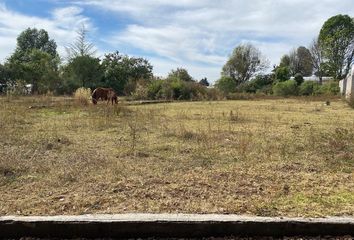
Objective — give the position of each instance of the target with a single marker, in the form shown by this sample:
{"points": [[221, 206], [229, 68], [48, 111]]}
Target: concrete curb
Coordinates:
{"points": [[170, 225]]}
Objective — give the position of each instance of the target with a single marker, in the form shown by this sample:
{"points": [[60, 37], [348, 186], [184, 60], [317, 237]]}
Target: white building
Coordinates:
{"points": [[347, 85]]}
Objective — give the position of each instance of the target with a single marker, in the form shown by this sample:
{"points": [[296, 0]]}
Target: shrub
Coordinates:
{"points": [[154, 89], [286, 88], [82, 96], [298, 78], [308, 88], [226, 84], [141, 92], [17, 89], [260, 84], [282, 74], [329, 88]]}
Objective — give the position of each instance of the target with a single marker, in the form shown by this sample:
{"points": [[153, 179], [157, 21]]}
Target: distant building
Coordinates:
{"points": [[316, 79]]}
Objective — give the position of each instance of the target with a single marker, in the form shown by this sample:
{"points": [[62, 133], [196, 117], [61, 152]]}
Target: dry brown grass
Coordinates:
{"points": [[289, 157], [82, 96]]}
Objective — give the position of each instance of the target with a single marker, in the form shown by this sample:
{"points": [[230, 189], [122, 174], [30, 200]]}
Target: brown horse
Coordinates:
{"points": [[105, 94]]}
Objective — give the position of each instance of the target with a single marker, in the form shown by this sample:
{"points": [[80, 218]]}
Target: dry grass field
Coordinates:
{"points": [[288, 157]]}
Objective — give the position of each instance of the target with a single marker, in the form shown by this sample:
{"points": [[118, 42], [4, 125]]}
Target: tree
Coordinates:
{"points": [[226, 84], [337, 40], [299, 79], [244, 62], [119, 69], [41, 71], [282, 74], [81, 47], [82, 71], [285, 61], [35, 59], [180, 73], [299, 61], [204, 82], [317, 58], [4, 74], [33, 38]]}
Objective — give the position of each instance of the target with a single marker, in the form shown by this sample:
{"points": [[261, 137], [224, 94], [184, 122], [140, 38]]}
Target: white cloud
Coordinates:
{"points": [[61, 26], [197, 33]]}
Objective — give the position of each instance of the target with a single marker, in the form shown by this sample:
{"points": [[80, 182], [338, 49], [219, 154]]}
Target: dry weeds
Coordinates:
{"points": [[271, 157]]}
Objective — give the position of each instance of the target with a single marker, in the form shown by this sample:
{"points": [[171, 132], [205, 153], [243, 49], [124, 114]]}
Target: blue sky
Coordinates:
{"points": [[195, 34]]}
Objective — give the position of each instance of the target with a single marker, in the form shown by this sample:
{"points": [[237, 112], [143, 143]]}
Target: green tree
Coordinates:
{"points": [[299, 79], [282, 74], [41, 71], [337, 40], [285, 61], [226, 84], [244, 62], [120, 69], [35, 59], [82, 71], [33, 38], [180, 73]]}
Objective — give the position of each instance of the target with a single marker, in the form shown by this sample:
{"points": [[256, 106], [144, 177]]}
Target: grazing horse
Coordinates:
{"points": [[105, 94]]}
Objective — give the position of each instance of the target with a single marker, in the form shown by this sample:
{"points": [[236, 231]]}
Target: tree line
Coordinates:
{"points": [[330, 54], [36, 61]]}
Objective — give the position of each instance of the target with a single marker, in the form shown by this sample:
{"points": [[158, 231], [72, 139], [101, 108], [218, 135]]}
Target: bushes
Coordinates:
{"points": [[82, 96], [286, 88], [308, 88], [299, 79], [226, 84], [330, 88]]}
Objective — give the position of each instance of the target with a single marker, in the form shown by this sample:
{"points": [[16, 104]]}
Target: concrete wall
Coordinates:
{"points": [[347, 85]]}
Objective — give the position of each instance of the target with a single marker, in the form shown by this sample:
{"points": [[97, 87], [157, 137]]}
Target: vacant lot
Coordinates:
{"points": [[267, 157]]}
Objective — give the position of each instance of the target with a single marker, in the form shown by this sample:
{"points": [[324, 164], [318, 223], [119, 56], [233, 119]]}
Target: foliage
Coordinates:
{"points": [[119, 69], [261, 83], [155, 89], [282, 74], [328, 88], [298, 78], [226, 84], [5, 77], [17, 88], [82, 71], [286, 88], [35, 60], [308, 88], [285, 61], [317, 58], [82, 96], [298, 61], [337, 39], [172, 89], [204, 82], [81, 47], [180, 73], [32, 38], [244, 62]]}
